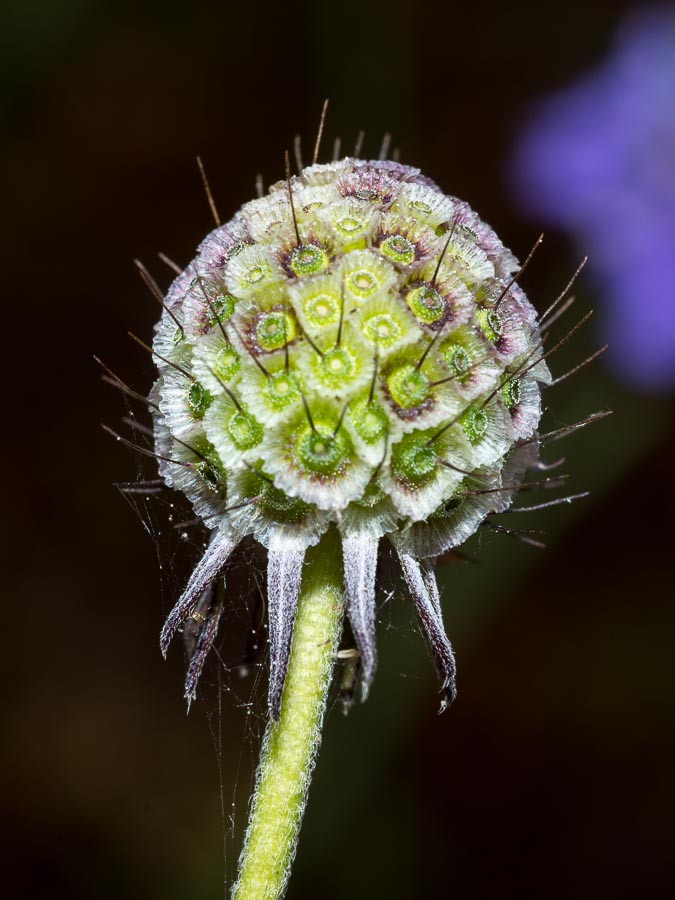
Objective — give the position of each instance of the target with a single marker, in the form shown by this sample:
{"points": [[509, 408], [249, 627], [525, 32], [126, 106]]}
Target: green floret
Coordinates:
{"points": [[457, 359], [245, 431], [382, 330], [199, 400], [273, 330], [281, 390], [227, 363], [510, 392], [210, 468], [426, 304], [336, 367], [281, 507], [408, 386], [398, 249], [256, 273], [308, 259], [413, 461], [368, 419], [220, 309], [475, 423], [350, 227], [320, 451], [490, 323], [321, 310], [362, 283]]}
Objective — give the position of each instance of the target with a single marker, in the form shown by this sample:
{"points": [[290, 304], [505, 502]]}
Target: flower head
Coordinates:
{"points": [[597, 160], [349, 350]]}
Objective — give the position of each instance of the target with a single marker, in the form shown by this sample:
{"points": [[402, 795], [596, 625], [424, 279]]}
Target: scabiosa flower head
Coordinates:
{"points": [[596, 159], [350, 350]]}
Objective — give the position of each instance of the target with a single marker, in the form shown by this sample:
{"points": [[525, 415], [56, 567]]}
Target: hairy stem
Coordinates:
{"points": [[290, 745]]}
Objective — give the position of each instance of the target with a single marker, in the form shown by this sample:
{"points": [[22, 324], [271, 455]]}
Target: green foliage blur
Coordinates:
{"points": [[552, 775]]}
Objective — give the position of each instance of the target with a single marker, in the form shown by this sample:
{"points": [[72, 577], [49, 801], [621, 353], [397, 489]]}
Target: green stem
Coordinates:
{"points": [[290, 745]]}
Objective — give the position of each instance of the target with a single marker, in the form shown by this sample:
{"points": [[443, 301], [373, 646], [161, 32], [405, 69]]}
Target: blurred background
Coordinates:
{"points": [[553, 772]]}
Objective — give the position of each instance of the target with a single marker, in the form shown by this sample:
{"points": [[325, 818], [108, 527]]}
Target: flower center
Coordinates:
{"points": [[321, 309], [383, 330], [337, 367], [281, 390], [280, 506], [227, 363], [321, 452], [308, 259], [460, 361], [234, 250], [490, 323], [457, 359], [369, 420], [244, 430], [421, 206], [398, 249], [511, 393], [426, 304], [349, 225], [408, 386], [367, 194], [209, 475], [220, 309], [362, 283], [198, 399], [413, 461], [255, 274], [475, 423], [274, 330]]}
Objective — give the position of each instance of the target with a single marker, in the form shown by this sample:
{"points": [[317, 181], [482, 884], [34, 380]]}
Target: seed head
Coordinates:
{"points": [[353, 349]]}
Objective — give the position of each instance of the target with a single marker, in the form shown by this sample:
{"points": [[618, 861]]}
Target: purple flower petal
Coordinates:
{"points": [[598, 160]]}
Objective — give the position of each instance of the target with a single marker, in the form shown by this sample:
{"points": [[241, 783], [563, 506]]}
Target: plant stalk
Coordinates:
{"points": [[290, 745]]}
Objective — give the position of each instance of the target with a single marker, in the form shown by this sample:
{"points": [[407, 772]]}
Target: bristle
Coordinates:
{"points": [[207, 191], [322, 121]]}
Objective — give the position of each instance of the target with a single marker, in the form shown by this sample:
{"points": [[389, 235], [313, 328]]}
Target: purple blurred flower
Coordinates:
{"points": [[598, 159]]}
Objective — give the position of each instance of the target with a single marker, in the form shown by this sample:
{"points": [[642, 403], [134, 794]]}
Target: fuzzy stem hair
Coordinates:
{"points": [[290, 744]]}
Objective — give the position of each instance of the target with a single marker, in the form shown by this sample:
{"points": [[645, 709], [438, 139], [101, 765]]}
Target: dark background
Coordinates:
{"points": [[552, 775]]}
